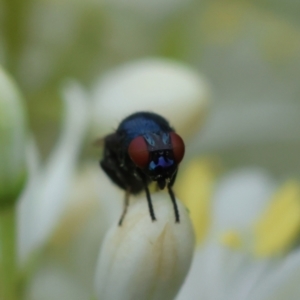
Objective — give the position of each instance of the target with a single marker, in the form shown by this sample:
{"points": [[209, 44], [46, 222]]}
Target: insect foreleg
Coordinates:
{"points": [[151, 210], [126, 204], [171, 193], [172, 181]]}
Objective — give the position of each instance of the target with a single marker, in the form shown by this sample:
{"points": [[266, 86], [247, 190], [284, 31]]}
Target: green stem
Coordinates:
{"points": [[8, 280]]}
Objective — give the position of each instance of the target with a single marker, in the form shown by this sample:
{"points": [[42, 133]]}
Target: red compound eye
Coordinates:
{"points": [[178, 147], [138, 152]]}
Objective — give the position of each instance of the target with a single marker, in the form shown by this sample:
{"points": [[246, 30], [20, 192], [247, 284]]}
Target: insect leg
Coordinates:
{"points": [[145, 183], [151, 210], [126, 203], [172, 181], [171, 193]]}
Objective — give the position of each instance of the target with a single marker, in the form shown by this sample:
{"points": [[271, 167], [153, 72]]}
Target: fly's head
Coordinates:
{"points": [[157, 155]]}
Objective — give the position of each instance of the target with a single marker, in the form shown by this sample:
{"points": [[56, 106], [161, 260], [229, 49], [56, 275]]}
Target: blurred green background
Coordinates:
{"points": [[248, 50]]}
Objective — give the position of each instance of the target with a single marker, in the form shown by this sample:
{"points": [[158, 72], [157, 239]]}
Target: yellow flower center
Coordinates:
{"points": [[279, 225], [231, 239], [195, 188]]}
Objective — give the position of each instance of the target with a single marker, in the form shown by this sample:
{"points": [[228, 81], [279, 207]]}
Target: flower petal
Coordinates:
{"points": [[143, 259], [49, 198], [240, 198], [282, 282]]}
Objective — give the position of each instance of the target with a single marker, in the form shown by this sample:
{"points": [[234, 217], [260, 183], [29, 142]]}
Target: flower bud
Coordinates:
{"points": [[12, 141], [143, 259], [172, 89]]}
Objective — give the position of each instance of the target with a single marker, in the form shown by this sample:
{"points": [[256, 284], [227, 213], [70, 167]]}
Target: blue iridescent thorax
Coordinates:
{"points": [[141, 124]]}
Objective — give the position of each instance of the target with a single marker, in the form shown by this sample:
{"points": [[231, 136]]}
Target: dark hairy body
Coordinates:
{"points": [[144, 148]]}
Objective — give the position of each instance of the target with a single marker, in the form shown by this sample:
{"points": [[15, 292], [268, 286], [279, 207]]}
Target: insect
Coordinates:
{"points": [[143, 149]]}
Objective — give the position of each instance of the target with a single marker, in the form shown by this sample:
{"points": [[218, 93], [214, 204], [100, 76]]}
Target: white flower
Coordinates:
{"points": [[13, 135], [44, 199], [143, 259], [247, 253], [95, 203], [166, 87]]}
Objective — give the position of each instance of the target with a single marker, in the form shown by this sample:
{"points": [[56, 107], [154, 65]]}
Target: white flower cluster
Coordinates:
{"points": [[146, 259], [246, 228]]}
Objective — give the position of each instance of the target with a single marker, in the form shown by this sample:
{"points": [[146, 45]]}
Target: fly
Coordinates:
{"points": [[143, 149]]}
